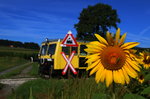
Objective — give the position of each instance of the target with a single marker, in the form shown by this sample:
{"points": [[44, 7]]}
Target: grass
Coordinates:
{"points": [[14, 72], [8, 62], [60, 89], [34, 70], [19, 50], [10, 57]]}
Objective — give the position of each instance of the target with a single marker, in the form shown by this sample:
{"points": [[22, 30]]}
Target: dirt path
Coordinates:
{"points": [[24, 73], [10, 85], [13, 68], [14, 82]]}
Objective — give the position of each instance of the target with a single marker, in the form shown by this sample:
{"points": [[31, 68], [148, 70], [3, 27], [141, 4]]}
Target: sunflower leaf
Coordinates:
{"points": [[132, 96], [99, 96], [147, 77], [146, 91]]}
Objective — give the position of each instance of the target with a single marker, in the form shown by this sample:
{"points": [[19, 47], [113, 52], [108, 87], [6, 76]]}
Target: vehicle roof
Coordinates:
{"points": [[56, 40]]}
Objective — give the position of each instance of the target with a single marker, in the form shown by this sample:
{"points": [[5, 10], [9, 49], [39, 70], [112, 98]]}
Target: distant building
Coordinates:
{"points": [[11, 46]]}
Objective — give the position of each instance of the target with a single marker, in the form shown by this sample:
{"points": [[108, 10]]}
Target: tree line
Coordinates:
{"points": [[28, 45]]}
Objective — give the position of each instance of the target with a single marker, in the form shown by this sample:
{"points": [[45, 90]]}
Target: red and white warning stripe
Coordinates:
{"points": [[68, 63]]}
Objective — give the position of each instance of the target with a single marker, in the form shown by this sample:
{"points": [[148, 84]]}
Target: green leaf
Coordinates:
{"points": [[147, 77], [132, 96], [146, 91], [99, 96]]}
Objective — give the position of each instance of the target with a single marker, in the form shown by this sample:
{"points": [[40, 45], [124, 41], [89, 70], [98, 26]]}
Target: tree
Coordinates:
{"points": [[96, 19], [31, 45]]}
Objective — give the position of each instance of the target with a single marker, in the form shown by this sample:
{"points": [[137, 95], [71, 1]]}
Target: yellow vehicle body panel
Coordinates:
{"points": [[59, 61]]}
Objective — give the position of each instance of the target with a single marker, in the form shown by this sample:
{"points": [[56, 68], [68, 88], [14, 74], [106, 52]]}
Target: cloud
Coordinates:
{"points": [[143, 40], [144, 30], [33, 22]]}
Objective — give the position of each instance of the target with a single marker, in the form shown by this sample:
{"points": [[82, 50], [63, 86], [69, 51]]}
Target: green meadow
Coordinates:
{"points": [[60, 89], [78, 88], [10, 57], [18, 52], [8, 62]]}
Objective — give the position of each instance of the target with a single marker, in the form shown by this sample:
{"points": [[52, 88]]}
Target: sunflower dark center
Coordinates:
{"points": [[113, 58], [146, 61], [141, 77]]}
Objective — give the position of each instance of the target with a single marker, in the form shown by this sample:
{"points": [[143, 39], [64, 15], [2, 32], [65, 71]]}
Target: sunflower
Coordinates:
{"points": [[141, 78], [145, 59], [111, 59]]}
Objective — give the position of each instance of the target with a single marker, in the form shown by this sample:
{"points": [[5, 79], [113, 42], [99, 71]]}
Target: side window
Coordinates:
{"points": [[75, 49], [82, 52], [43, 50], [51, 49], [67, 49]]}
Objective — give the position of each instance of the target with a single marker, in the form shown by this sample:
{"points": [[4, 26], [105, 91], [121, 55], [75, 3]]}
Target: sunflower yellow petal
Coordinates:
{"points": [[95, 69], [109, 77], [99, 74], [148, 57], [129, 45], [103, 75], [93, 65], [127, 51], [141, 54], [94, 47], [93, 55], [112, 41], [130, 72], [133, 64], [115, 76], [146, 66], [122, 81], [108, 37], [97, 43], [118, 76], [131, 69], [117, 36], [91, 50], [122, 39], [93, 59], [101, 39], [127, 79]]}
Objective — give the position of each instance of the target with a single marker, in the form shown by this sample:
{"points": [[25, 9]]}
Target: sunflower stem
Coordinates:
{"points": [[113, 95], [113, 91]]}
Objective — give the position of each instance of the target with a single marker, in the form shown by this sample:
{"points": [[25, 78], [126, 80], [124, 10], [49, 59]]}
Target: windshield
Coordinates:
{"points": [[66, 50], [51, 49], [82, 52], [43, 50]]}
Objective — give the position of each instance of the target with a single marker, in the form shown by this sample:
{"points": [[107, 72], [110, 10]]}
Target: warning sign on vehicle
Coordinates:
{"points": [[68, 61], [69, 40]]}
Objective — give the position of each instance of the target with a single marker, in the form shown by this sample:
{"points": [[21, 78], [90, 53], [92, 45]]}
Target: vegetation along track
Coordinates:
{"points": [[13, 68], [10, 84]]}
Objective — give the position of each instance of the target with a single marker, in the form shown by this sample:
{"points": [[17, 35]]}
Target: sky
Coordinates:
{"points": [[35, 20]]}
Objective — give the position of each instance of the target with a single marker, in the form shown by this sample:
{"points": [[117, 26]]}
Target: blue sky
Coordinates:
{"points": [[35, 20]]}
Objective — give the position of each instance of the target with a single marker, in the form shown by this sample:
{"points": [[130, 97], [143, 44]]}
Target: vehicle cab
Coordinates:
{"points": [[51, 59]]}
